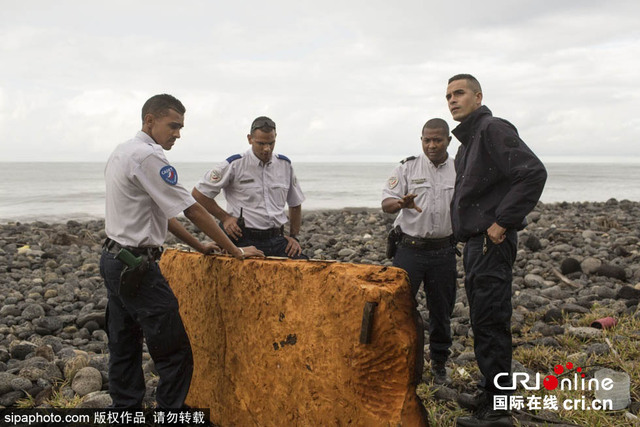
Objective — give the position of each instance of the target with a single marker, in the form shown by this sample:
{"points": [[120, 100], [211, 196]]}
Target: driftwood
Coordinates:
{"points": [[565, 279]]}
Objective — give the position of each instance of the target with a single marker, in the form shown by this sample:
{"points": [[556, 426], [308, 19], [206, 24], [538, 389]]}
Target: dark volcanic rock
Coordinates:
{"points": [[569, 265], [533, 243], [553, 315], [628, 292], [612, 271]]}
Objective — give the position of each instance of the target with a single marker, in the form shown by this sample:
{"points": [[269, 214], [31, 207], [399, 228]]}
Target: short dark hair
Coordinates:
{"points": [[159, 105], [437, 124], [473, 83], [263, 123]]}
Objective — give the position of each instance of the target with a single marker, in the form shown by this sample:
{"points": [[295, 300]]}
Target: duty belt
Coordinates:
{"points": [[153, 252], [428, 244], [257, 234]]}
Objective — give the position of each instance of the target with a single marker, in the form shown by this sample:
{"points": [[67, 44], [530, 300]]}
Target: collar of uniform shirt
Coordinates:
{"points": [[430, 163], [256, 161]]}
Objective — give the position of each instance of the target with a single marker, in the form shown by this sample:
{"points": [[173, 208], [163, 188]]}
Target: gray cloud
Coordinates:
{"points": [[343, 80]]}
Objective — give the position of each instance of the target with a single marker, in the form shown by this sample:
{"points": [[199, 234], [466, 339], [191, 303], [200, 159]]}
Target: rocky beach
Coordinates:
{"points": [[576, 262]]}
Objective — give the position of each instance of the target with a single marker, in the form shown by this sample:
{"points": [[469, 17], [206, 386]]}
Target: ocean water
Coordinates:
{"points": [[58, 192]]}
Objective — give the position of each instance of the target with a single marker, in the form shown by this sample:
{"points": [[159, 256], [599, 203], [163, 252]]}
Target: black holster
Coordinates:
{"points": [[131, 277], [392, 241]]}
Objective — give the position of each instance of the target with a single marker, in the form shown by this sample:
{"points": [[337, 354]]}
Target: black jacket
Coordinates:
{"points": [[498, 178]]}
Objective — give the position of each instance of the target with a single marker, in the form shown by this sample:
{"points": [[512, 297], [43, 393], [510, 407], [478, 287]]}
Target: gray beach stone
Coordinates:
{"points": [[46, 352], [86, 380], [553, 315], [574, 308], [546, 341], [21, 383], [346, 252], [47, 325], [612, 271], [584, 332], [533, 280], [96, 399], [32, 311], [20, 349], [5, 382], [604, 292], [94, 316], [9, 399], [590, 265], [598, 349], [10, 310]]}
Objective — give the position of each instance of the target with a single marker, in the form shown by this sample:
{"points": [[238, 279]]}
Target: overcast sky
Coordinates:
{"points": [[343, 80]]}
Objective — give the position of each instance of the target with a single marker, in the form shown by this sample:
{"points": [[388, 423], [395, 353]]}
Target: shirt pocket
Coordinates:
{"points": [[423, 192], [278, 194], [251, 194]]}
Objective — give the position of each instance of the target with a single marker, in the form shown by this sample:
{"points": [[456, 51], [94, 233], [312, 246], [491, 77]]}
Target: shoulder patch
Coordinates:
{"points": [[215, 175], [392, 182], [403, 161], [169, 175], [234, 158], [283, 157]]}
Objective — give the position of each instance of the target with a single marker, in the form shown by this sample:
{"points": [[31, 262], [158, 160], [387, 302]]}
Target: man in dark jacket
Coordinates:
{"points": [[498, 182]]}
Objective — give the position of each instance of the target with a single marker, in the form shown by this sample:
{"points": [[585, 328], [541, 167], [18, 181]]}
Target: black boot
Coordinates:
{"points": [[472, 402], [439, 372], [486, 416]]}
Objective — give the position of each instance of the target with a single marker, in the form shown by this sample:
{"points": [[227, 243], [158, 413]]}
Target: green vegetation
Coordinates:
{"points": [[624, 350]]}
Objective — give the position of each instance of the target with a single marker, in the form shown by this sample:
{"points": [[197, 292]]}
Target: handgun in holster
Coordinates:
{"points": [[393, 238], [133, 273]]}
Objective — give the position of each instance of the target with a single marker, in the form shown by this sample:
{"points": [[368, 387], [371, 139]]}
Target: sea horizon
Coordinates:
{"points": [[303, 159], [59, 191]]}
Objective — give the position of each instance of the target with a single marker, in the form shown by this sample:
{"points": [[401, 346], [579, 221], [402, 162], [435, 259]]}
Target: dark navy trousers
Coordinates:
{"points": [[153, 314], [437, 270], [488, 277], [274, 246]]}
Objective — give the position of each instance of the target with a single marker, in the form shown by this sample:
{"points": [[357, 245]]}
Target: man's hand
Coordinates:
{"points": [[231, 227], [252, 251], [293, 247], [496, 233], [209, 247], [408, 202]]}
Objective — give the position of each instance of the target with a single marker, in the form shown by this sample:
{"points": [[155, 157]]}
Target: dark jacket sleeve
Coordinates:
{"points": [[525, 172]]}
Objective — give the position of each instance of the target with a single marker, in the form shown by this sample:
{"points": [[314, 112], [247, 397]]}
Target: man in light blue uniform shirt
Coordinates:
{"points": [[421, 189], [143, 197], [257, 186]]}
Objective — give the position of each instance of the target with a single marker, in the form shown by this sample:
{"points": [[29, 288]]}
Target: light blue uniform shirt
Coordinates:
{"points": [[261, 190], [142, 193], [434, 188]]}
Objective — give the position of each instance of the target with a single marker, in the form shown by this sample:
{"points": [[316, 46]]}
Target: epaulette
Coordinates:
{"points": [[234, 158], [403, 161], [283, 157]]}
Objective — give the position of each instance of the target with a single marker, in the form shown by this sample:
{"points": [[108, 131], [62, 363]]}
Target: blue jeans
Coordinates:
{"points": [[488, 277], [437, 270], [151, 313]]}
